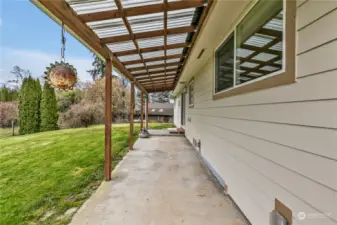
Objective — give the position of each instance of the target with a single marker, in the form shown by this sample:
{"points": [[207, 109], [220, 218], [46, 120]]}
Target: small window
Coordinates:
{"points": [[255, 51], [191, 94], [225, 65]]}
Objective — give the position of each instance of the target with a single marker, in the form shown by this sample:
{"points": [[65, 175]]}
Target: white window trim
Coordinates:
{"points": [[189, 86], [233, 31]]}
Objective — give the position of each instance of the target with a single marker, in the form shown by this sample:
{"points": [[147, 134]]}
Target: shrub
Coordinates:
{"points": [[82, 115], [8, 95], [8, 112], [29, 106], [48, 109], [67, 98]]}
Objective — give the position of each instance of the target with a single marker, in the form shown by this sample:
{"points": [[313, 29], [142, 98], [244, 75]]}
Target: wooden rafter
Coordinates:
{"points": [[157, 77], [128, 27], [165, 37], [154, 72], [141, 10], [155, 66], [152, 49], [149, 34], [158, 81], [176, 56]]}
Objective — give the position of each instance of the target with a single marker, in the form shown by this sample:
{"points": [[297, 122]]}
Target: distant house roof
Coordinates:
{"points": [[160, 109]]}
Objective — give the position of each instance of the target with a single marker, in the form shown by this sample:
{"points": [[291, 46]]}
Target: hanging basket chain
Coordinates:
{"points": [[61, 75], [63, 42]]}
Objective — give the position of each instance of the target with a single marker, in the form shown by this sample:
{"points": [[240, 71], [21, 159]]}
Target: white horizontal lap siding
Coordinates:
{"points": [[177, 111], [279, 142]]}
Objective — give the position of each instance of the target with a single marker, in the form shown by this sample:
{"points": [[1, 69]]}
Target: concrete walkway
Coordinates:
{"points": [[161, 182]]}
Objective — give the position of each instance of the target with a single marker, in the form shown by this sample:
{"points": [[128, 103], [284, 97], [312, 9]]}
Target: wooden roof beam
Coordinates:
{"points": [[152, 49], [149, 34], [140, 10], [176, 56], [155, 66]]}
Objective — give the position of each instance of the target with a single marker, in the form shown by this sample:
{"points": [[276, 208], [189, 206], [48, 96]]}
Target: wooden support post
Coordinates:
{"points": [[132, 108], [107, 151], [147, 112], [141, 111]]}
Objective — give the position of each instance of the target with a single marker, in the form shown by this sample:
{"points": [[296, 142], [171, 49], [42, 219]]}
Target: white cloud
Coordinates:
{"points": [[37, 61]]}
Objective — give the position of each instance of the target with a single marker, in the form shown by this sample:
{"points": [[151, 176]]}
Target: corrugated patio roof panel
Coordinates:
{"points": [[176, 38], [174, 51], [136, 3], [121, 46], [173, 60], [129, 57], [180, 18], [148, 55], [134, 65], [171, 67], [139, 71], [146, 23], [109, 28], [150, 42], [156, 69], [155, 63], [91, 6]]}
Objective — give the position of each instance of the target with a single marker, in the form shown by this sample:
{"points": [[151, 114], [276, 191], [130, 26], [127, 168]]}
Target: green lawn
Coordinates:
{"points": [[54, 171], [6, 132]]}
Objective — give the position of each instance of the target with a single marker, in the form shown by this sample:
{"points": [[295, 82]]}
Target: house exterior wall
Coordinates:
{"points": [[279, 142], [177, 112]]}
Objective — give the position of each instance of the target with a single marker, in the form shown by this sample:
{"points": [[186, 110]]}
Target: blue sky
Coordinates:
{"points": [[31, 40]]}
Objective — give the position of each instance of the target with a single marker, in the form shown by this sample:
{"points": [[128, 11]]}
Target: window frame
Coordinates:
{"points": [[191, 84], [286, 75]]}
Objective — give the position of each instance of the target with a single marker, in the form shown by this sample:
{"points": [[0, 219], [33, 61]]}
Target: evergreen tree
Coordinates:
{"points": [[49, 114], [29, 107], [39, 96], [4, 94], [98, 70], [160, 97]]}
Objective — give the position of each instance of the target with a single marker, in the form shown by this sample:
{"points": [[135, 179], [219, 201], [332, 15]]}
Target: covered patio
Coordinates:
{"points": [[162, 182], [146, 41]]}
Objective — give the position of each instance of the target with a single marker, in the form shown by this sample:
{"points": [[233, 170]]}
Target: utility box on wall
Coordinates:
{"points": [[281, 215]]}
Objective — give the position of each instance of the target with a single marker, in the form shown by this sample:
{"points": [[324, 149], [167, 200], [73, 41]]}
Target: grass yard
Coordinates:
{"points": [[6, 132], [47, 173]]}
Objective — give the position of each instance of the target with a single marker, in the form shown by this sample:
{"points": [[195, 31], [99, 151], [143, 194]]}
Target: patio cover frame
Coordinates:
{"points": [[147, 41]]}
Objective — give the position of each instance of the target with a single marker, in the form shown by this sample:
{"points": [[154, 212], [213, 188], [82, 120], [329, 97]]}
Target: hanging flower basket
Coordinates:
{"points": [[61, 75]]}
